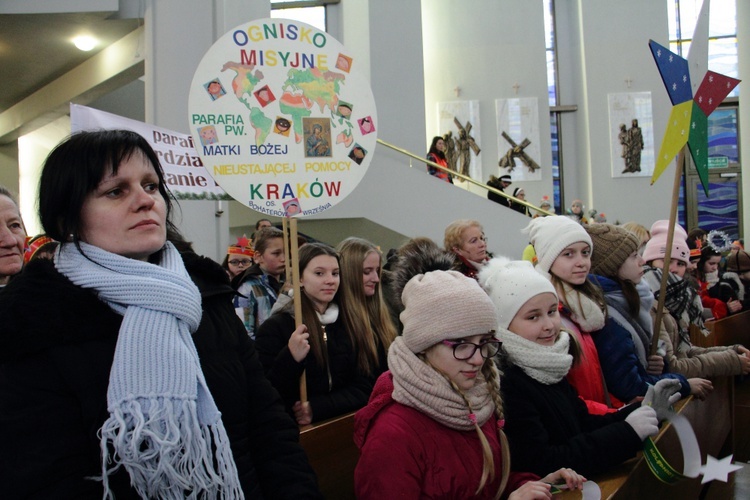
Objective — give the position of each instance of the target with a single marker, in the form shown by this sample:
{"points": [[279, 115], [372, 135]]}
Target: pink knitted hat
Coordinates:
{"points": [[656, 248]]}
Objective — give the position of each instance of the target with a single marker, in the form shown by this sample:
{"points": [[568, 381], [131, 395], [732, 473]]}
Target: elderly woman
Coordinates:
{"points": [[138, 380], [465, 238], [12, 236]]}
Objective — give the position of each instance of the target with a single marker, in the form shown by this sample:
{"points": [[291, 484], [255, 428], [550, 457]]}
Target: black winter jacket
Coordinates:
{"points": [[549, 427], [57, 342], [344, 391]]}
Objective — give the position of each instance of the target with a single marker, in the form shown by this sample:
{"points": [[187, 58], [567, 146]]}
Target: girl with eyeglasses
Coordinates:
{"points": [[239, 258], [433, 426], [548, 425]]}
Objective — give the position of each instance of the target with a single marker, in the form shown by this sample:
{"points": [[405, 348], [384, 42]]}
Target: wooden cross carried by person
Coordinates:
{"points": [[517, 151], [464, 142]]}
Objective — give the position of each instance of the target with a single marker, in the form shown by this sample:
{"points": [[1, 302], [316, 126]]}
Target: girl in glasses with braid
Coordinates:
{"points": [[433, 426]]}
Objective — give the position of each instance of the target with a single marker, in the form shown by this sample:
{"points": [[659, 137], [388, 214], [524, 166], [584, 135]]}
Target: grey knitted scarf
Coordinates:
{"points": [[164, 426], [417, 385]]}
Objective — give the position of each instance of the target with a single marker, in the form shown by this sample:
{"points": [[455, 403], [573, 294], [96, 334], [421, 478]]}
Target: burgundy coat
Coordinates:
{"points": [[406, 454]]}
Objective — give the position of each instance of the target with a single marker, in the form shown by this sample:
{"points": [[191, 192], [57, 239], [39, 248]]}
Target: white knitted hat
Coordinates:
{"points": [[510, 284], [442, 305], [550, 235]]}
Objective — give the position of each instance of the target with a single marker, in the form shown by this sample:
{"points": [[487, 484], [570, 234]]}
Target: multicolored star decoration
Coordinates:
{"points": [[688, 121]]}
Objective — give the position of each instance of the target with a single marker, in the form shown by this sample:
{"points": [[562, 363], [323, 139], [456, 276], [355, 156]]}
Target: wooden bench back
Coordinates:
{"points": [[333, 455]]}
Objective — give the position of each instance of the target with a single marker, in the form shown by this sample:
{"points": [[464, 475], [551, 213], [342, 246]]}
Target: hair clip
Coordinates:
{"points": [[501, 423], [473, 418]]}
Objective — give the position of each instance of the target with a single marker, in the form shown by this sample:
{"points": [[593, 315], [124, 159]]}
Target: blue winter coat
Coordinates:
{"points": [[624, 374]]}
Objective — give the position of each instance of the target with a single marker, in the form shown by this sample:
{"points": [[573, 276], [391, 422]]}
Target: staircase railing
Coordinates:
{"points": [[463, 177]]}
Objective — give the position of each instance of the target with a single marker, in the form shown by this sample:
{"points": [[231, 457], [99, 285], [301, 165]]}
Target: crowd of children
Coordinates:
{"points": [[415, 345]]}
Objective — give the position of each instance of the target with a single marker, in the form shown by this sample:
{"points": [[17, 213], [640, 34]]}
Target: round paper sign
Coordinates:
{"points": [[281, 118]]}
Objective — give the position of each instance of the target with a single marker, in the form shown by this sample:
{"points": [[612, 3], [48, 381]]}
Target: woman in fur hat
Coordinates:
{"points": [[683, 308], [548, 426], [433, 426], [138, 379], [624, 343]]}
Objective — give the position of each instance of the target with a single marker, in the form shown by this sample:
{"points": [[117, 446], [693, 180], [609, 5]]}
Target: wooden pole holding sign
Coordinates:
{"points": [[293, 240], [289, 227], [668, 252]]}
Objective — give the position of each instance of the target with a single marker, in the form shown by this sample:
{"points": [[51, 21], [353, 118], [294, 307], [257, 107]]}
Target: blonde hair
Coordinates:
{"points": [[640, 231], [366, 318], [455, 230], [492, 377]]}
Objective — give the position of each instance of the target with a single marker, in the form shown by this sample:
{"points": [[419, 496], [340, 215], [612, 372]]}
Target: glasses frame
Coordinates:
{"points": [[455, 345], [241, 263]]}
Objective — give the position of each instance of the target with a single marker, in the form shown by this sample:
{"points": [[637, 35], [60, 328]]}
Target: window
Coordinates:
{"points": [[722, 33], [552, 92], [310, 12]]}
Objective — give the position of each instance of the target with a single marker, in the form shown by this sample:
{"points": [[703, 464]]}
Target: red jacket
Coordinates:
{"points": [[406, 454], [586, 377], [718, 307]]}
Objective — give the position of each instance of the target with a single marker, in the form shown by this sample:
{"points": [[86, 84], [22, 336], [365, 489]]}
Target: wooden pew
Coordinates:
{"points": [[734, 329], [333, 455], [712, 422]]}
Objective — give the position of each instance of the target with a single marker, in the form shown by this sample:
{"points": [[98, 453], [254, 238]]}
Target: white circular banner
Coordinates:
{"points": [[281, 118]]}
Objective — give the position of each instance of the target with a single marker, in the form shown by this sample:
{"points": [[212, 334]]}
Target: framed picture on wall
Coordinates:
{"points": [[631, 134], [460, 119], [518, 142]]}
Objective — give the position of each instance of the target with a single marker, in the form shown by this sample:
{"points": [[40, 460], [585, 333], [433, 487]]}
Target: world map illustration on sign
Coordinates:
{"points": [[281, 119]]}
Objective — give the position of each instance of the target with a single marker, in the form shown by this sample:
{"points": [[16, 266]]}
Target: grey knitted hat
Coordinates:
{"points": [[443, 305]]}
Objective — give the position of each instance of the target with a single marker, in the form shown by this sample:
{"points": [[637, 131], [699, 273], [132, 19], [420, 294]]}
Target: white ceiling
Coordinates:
{"points": [[36, 49]]}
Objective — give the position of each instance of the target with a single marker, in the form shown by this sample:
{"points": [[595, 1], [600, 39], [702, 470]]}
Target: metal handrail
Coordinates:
{"points": [[463, 177]]}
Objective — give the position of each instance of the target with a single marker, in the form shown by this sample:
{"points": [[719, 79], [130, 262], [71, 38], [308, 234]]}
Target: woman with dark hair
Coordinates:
{"points": [[322, 347], [436, 154], [139, 379], [12, 236]]}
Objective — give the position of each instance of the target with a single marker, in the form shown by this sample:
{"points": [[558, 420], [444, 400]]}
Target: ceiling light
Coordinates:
{"points": [[85, 42]]}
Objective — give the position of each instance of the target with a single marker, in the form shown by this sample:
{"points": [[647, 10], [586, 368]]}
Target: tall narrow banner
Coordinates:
{"points": [[184, 173], [281, 117]]}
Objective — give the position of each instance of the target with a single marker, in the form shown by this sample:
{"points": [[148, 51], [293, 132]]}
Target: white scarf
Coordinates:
{"points": [[545, 364], [417, 385], [585, 312], [164, 425]]}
